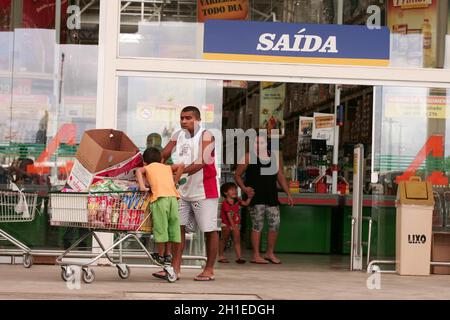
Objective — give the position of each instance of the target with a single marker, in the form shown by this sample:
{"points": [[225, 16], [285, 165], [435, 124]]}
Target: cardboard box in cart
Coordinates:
{"points": [[104, 153]]}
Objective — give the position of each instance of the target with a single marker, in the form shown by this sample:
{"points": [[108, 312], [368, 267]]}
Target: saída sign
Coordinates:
{"points": [[297, 43]]}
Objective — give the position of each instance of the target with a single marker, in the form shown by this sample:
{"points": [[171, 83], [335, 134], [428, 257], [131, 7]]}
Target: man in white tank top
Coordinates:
{"points": [[195, 147]]}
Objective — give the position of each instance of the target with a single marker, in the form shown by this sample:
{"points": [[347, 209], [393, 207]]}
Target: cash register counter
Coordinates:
{"points": [[321, 223]]}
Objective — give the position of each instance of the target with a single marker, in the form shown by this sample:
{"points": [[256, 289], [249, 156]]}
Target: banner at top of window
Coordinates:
{"points": [[222, 9], [296, 43]]}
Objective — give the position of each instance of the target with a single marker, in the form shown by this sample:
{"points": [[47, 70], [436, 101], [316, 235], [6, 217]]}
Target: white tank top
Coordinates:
{"points": [[204, 183]]}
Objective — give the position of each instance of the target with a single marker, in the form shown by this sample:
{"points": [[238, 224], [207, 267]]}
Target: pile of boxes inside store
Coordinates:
{"points": [[101, 191]]}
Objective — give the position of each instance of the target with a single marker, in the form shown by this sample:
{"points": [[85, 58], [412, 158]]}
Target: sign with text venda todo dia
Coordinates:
{"points": [[296, 43]]}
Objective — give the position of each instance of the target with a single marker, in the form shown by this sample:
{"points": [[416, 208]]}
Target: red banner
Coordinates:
{"points": [[41, 13], [5, 15]]}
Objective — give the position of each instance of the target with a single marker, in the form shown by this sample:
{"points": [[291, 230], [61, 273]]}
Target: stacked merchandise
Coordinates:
{"points": [[296, 99], [356, 128], [362, 126], [109, 205], [123, 208], [104, 172]]}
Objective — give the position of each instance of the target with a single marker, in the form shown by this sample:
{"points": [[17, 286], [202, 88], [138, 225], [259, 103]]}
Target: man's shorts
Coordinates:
{"points": [[202, 214], [257, 214], [166, 220]]}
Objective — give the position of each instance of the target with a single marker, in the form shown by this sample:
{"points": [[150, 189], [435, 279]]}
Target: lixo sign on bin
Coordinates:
{"points": [[296, 43]]}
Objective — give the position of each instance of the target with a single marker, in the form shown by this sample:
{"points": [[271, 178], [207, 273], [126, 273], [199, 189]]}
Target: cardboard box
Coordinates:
{"points": [[104, 153], [103, 148], [440, 252], [81, 178]]}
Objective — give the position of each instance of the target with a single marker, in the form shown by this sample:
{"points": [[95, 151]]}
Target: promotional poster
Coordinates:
{"points": [[272, 106], [414, 28], [323, 127], [225, 10]]}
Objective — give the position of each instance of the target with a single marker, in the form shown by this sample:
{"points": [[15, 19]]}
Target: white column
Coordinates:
{"points": [[335, 167], [107, 81], [337, 102], [107, 56]]}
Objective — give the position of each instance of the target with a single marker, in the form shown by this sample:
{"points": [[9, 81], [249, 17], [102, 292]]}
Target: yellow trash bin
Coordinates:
{"points": [[415, 203]]}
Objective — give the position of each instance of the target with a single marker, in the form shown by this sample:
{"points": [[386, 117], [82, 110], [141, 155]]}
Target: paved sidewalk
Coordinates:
{"points": [[299, 277]]}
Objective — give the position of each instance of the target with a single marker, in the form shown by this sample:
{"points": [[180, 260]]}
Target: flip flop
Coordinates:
{"points": [[259, 262], [204, 278], [272, 261], [241, 261], [223, 261]]}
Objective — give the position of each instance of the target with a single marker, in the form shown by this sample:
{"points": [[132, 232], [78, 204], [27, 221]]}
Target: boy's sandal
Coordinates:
{"points": [[162, 276], [241, 261], [223, 261]]}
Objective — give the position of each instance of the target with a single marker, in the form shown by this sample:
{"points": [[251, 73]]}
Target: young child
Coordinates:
{"points": [[163, 201], [231, 220]]}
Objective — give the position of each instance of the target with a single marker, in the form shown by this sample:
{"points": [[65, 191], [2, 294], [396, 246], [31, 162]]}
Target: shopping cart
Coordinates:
{"points": [[125, 214], [17, 206]]}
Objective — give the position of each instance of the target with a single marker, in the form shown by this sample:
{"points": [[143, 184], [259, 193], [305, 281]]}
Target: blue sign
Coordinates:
{"points": [[297, 43]]}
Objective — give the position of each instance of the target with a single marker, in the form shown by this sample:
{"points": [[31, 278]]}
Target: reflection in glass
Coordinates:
{"points": [[149, 107], [413, 127]]}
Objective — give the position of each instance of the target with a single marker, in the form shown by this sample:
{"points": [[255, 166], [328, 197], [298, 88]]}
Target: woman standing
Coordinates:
{"points": [[263, 187]]}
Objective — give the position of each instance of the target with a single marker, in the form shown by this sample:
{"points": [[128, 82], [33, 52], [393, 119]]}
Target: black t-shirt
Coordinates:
{"points": [[265, 186]]}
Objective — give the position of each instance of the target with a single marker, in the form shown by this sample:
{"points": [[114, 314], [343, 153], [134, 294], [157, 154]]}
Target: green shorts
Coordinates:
{"points": [[166, 220]]}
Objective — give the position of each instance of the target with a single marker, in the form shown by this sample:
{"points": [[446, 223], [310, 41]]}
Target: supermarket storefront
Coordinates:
{"points": [[146, 75]]}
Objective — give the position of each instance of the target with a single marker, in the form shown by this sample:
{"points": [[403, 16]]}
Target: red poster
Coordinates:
{"points": [[41, 13], [5, 15]]}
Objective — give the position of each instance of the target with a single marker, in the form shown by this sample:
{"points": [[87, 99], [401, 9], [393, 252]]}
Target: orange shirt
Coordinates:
{"points": [[160, 178]]}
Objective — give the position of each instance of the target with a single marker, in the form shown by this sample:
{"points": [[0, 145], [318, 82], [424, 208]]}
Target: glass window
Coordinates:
{"points": [[149, 108], [175, 30], [414, 135], [6, 62], [35, 116]]}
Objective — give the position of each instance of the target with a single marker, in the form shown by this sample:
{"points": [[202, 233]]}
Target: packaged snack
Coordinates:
{"points": [[101, 186], [92, 209], [125, 219], [101, 211], [109, 210], [116, 208]]}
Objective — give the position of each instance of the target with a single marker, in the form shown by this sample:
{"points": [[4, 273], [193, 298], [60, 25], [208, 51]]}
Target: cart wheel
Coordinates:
{"points": [[124, 273], [88, 276], [27, 260], [67, 273]]}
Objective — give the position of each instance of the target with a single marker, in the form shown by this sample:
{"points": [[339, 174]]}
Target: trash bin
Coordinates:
{"points": [[415, 204]]}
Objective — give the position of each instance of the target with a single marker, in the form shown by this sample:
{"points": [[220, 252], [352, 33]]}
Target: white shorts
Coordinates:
{"points": [[203, 214]]}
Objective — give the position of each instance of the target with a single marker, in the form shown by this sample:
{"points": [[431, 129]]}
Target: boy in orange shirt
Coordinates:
{"points": [[163, 201]]}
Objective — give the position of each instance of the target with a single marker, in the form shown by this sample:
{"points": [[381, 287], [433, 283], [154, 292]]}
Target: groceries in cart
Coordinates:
{"points": [[124, 211], [108, 185], [108, 211]]}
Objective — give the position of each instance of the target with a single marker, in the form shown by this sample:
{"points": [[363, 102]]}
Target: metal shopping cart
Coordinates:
{"points": [[17, 206], [125, 214]]}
